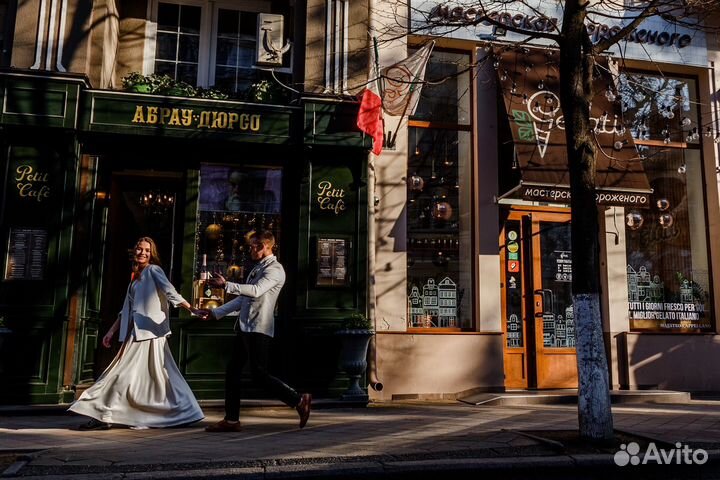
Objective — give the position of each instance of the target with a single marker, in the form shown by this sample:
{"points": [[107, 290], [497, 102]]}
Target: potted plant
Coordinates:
{"points": [[212, 93], [355, 334], [136, 82], [265, 91], [160, 83], [179, 89]]}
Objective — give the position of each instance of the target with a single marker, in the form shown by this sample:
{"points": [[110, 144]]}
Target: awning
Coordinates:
{"points": [[529, 79]]}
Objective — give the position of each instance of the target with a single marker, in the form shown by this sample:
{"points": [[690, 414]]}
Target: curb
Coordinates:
{"points": [[344, 467], [522, 467]]}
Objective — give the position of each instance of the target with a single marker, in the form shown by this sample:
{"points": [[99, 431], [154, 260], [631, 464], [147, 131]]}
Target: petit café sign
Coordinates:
{"points": [[330, 198], [189, 118], [31, 183]]}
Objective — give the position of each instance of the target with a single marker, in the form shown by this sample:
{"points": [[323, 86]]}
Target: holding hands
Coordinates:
{"points": [[204, 314]]}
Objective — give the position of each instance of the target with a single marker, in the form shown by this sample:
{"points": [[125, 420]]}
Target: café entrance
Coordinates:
{"points": [[538, 318]]}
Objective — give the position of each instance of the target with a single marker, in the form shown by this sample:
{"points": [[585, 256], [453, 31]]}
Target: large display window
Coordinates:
{"points": [[234, 204], [666, 245], [439, 270]]}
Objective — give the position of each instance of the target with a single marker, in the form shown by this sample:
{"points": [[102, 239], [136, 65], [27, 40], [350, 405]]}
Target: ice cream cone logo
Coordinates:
{"points": [[543, 106]]}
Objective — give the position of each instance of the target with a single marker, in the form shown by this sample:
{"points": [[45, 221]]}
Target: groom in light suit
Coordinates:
{"points": [[255, 327]]}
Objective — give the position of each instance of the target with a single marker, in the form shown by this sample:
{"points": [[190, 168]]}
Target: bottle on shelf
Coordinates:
{"points": [[204, 275]]}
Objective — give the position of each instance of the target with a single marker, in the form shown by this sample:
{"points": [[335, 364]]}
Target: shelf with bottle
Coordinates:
{"points": [[225, 236], [205, 295]]}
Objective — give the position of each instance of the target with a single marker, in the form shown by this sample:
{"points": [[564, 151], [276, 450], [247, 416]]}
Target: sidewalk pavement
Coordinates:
{"points": [[385, 440]]}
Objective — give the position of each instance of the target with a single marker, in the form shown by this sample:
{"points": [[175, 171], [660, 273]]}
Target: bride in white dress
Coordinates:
{"points": [[142, 387]]}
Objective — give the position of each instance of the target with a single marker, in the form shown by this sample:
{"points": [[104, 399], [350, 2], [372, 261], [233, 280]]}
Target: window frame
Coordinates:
{"points": [[208, 33], [457, 127], [681, 146]]}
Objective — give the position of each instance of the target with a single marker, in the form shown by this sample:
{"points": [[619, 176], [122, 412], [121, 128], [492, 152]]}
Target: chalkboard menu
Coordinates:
{"points": [[332, 262], [27, 254]]}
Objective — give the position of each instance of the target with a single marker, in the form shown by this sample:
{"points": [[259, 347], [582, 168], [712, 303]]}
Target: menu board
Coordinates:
{"points": [[332, 266], [27, 254]]}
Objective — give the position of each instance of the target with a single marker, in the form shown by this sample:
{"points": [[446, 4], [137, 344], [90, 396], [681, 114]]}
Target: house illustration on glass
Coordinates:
{"points": [[447, 298], [430, 299], [415, 303]]}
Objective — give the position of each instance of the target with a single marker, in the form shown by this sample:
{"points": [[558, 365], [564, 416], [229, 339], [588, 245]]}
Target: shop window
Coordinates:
{"points": [[439, 267], [667, 257], [235, 203], [209, 45]]}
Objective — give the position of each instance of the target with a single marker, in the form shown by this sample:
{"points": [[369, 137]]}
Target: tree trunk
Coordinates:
{"points": [[576, 93]]}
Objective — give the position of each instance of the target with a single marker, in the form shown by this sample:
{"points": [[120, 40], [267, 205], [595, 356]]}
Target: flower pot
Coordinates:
{"points": [[353, 361]]}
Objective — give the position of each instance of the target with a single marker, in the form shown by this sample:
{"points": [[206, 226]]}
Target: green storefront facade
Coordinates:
{"points": [[86, 172]]}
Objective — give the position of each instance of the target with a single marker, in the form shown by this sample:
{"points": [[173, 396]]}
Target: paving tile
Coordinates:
{"points": [[395, 430]]}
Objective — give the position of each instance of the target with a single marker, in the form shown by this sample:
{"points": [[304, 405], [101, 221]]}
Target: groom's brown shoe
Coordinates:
{"points": [[223, 426], [303, 408]]}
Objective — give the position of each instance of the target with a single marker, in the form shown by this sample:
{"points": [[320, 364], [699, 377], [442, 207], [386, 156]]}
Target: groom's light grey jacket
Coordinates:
{"points": [[255, 306]]}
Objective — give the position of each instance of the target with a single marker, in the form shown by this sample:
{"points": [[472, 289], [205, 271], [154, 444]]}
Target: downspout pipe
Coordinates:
{"points": [[372, 374]]}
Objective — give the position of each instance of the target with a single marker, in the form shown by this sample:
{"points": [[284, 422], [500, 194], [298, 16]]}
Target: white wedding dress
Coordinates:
{"points": [[142, 387]]}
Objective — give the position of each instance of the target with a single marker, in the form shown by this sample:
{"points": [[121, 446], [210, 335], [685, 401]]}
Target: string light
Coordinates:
{"points": [[618, 145]]}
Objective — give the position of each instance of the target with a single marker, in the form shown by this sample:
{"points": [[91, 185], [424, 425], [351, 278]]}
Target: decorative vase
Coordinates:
{"points": [[353, 361]]}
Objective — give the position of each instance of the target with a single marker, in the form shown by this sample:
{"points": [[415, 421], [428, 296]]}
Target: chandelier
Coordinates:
{"points": [[156, 202]]}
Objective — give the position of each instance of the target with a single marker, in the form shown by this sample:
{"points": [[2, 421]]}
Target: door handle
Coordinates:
{"points": [[544, 295]]}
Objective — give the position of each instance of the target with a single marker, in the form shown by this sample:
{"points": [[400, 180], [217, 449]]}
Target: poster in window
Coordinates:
{"points": [[332, 262], [27, 254]]}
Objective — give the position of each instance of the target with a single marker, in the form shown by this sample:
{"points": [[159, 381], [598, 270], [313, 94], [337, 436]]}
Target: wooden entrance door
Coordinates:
{"points": [[537, 301], [128, 221]]}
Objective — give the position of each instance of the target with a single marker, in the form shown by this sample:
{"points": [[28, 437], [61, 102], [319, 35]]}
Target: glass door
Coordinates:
{"points": [[538, 318], [554, 324]]}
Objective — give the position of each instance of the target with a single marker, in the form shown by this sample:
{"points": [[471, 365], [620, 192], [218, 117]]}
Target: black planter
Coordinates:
{"points": [[353, 361]]}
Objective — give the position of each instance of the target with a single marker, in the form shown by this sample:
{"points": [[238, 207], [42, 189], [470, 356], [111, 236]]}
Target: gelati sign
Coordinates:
{"points": [[538, 130]]}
